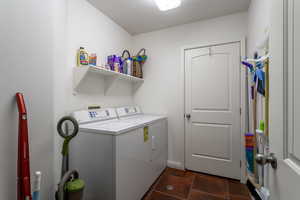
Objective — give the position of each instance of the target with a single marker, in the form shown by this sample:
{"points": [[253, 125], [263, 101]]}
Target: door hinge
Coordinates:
{"points": [[240, 111], [240, 164]]}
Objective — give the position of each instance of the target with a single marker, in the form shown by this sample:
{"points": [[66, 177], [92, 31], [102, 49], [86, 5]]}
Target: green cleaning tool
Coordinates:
{"points": [[70, 187]]}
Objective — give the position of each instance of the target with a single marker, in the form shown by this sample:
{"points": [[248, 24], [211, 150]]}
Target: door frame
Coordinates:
{"points": [[243, 95]]}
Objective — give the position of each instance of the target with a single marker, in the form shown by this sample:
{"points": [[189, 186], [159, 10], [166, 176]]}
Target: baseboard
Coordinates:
{"points": [[176, 165]]}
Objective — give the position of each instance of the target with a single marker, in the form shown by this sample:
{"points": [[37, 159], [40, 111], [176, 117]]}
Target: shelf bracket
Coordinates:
{"points": [[110, 82], [136, 86], [79, 74]]}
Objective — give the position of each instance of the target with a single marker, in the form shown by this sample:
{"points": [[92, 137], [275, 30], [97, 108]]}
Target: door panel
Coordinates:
{"points": [[284, 99], [211, 140], [217, 92], [212, 97], [220, 117]]}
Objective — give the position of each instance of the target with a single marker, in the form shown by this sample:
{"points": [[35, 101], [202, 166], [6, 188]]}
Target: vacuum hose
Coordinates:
{"points": [[70, 186], [67, 139]]}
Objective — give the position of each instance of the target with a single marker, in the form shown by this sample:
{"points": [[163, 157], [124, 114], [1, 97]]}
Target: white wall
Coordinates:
{"points": [[80, 24], [87, 27], [26, 54], [162, 91], [39, 41], [258, 27], [258, 23]]}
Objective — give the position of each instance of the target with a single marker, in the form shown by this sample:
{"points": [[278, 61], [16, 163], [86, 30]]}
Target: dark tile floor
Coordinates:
{"points": [[186, 185]]}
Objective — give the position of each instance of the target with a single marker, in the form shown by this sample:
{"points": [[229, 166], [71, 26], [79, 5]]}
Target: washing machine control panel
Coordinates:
{"points": [[99, 114], [86, 116]]}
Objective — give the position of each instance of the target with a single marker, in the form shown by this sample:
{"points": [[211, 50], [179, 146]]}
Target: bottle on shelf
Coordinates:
{"points": [[82, 57]]}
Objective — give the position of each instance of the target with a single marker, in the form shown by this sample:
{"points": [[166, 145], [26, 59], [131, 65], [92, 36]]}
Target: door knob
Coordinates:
{"points": [[188, 116], [262, 159]]}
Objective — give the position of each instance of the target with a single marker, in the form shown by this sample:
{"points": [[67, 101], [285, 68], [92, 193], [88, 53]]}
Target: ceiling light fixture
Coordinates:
{"points": [[164, 5]]}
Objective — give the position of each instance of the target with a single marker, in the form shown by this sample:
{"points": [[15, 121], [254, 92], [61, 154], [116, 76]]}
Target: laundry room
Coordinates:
{"points": [[149, 100]]}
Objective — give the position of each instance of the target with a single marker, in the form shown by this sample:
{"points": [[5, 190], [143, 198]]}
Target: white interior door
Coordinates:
{"points": [[212, 106], [284, 182]]}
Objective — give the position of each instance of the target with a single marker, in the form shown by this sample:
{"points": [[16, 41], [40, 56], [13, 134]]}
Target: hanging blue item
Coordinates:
{"points": [[259, 77], [248, 65], [259, 64], [258, 74]]}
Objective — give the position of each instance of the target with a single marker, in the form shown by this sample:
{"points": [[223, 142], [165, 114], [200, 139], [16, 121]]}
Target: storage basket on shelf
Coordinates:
{"points": [[138, 62]]}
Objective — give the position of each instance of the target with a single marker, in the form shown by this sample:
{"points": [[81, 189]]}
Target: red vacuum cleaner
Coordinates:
{"points": [[24, 190]]}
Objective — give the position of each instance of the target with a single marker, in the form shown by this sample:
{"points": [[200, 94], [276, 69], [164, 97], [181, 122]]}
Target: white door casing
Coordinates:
{"points": [[212, 98], [284, 138]]}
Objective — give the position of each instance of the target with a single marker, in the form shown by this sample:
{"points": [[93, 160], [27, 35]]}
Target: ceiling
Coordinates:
{"points": [[140, 16]]}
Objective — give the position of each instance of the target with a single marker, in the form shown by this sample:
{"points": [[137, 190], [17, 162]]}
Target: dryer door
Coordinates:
{"points": [[133, 168], [159, 146]]}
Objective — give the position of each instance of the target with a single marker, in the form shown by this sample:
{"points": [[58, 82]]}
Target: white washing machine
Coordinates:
{"points": [[119, 158]]}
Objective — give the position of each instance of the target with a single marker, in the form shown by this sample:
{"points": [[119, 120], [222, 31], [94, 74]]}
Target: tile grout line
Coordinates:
{"points": [[210, 194], [240, 196], [170, 195], [191, 187], [227, 189], [146, 197], [227, 195]]}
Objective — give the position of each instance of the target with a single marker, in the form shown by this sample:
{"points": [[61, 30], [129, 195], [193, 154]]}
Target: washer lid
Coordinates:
{"points": [[116, 127], [88, 116], [109, 127]]}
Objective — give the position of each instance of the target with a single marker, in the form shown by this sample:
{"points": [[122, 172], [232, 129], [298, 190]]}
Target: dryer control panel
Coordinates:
{"points": [[128, 111], [86, 116]]}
